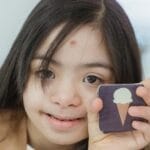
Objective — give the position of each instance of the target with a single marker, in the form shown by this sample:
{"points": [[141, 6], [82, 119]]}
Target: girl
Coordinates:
{"points": [[48, 82]]}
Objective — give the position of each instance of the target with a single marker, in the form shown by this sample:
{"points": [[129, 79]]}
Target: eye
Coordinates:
{"points": [[92, 79], [45, 74]]}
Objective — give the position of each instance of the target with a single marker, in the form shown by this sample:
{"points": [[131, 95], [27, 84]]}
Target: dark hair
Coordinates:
{"points": [[107, 15]]}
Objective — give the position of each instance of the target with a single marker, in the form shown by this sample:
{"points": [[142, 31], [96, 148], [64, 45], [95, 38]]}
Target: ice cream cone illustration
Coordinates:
{"points": [[122, 109], [122, 98]]}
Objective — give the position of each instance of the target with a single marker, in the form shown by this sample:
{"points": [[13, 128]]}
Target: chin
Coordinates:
{"points": [[68, 139]]}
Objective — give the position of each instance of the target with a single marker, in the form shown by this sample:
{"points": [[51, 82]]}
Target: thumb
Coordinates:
{"points": [[95, 134]]}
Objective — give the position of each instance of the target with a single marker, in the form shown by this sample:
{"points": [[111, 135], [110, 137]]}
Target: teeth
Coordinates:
{"points": [[62, 119]]}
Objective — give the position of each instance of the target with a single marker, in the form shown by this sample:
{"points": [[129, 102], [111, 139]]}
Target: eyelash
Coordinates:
{"points": [[95, 80], [45, 74]]}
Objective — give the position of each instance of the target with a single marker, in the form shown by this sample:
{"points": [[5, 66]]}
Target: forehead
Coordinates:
{"points": [[46, 44], [85, 43]]}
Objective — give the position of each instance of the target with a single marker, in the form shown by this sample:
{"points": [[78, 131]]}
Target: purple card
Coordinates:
{"points": [[117, 98]]}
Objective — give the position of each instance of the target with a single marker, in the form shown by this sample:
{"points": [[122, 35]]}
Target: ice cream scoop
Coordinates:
{"points": [[122, 98]]}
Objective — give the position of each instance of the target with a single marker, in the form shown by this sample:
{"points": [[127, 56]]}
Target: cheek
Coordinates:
{"points": [[28, 101], [88, 94], [32, 98]]}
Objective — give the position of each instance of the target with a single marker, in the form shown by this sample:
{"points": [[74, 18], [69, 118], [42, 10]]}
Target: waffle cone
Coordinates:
{"points": [[123, 110]]}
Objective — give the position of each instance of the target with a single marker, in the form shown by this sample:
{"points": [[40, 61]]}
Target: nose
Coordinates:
{"points": [[66, 95]]}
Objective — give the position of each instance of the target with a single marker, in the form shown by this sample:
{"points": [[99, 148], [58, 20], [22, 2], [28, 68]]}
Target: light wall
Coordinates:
{"points": [[139, 15], [12, 16]]}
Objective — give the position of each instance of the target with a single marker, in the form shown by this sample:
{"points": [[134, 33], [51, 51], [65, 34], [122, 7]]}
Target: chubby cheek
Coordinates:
{"points": [[88, 94], [32, 98]]}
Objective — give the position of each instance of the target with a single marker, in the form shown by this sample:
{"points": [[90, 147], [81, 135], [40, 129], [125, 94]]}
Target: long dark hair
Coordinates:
{"points": [[106, 15]]}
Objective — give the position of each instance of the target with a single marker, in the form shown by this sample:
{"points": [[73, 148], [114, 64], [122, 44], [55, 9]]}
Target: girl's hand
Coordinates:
{"points": [[132, 140]]}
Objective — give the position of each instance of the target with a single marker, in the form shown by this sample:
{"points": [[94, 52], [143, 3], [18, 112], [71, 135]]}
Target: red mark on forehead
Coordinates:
{"points": [[73, 42]]}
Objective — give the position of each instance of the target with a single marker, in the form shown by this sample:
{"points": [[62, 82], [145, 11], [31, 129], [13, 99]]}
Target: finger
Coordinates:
{"points": [[93, 118], [144, 93], [146, 83], [144, 128], [140, 111]]}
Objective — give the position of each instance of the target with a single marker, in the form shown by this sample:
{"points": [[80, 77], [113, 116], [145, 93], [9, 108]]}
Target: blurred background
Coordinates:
{"points": [[139, 14], [13, 14]]}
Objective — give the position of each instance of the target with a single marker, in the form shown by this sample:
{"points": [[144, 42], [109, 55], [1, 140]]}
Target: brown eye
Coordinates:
{"points": [[92, 79], [45, 74]]}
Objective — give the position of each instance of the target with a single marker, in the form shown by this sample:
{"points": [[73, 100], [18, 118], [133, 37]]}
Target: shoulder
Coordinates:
{"points": [[13, 132], [4, 123], [11, 122]]}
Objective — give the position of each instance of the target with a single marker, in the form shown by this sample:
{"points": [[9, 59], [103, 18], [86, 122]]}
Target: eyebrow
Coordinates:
{"points": [[41, 58], [86, 65], [96, 64]]}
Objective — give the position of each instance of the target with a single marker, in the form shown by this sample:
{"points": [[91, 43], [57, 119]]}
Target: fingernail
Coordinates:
{"points": [[136, 124]]}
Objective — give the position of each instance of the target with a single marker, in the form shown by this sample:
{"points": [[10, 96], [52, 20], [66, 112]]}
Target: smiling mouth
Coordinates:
{"points": [[65, 118], [64, 123]]}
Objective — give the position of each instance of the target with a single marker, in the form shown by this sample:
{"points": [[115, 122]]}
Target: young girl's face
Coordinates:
{"points": [[57, 112]]}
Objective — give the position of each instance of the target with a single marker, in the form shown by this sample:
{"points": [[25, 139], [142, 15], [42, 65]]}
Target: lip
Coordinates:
{"points": [[62, 123]]}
